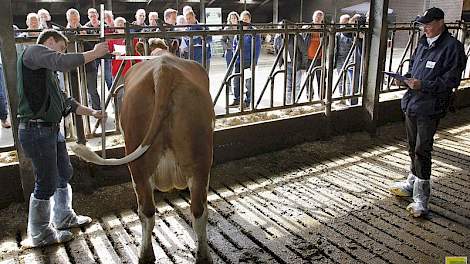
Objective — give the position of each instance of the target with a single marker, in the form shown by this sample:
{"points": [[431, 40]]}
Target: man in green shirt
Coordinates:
{"points": [[42, 105]]}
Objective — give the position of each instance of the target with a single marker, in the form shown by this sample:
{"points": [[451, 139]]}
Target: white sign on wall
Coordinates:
{"points": [[214, 16]]}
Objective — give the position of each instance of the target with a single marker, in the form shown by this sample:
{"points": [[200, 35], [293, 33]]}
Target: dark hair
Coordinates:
{"points": [[47, 33]]}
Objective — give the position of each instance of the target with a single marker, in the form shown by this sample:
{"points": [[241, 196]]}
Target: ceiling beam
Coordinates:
{"points": [[265, 2]]}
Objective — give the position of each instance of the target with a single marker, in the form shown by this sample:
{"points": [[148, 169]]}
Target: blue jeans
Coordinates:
{"points": [[353, 101], [298, 80], [45, 146], [108, 77], [3, 99], [94, 97], [228, 56], [236, 85]]}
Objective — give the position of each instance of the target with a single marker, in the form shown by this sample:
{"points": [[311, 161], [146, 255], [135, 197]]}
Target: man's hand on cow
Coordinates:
{"points": [[101, 49], [99, 114], [414, 84]]}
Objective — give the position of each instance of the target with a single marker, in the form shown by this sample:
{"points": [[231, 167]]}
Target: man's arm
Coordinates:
{"points": [[39, 56], [71, 105]]}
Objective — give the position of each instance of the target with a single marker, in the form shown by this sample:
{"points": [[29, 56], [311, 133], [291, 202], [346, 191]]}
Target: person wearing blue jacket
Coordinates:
{"points": [[245, 16], [197, 41], [435, 71]]}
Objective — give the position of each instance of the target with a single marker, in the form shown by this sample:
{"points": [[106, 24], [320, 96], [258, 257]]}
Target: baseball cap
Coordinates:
{"points": [[431, 14]]}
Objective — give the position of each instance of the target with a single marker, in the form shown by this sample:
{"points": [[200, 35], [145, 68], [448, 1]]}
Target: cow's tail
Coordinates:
{"points": [[162, 78], [88, 155]]}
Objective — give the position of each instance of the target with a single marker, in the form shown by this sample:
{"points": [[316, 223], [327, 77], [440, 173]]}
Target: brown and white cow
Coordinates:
{"points": [[167, 119]]}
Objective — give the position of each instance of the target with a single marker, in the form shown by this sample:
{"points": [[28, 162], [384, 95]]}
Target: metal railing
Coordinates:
{"points": [[272, 94]]}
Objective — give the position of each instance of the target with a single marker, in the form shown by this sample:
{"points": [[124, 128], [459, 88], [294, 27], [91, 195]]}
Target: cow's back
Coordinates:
{"points": [[179, 92]]}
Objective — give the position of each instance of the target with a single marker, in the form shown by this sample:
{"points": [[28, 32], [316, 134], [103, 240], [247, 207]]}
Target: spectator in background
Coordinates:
{"points": [[109, 22], [197, 44], [44, 18], [3, 100], [32, 23], [313, 42], [301, 62], [73, 22], [227, 40], [94, 24], [139, 20], [245, 16], [183, 48], [186, 9], [93, 21], [118, 47], [343, 46], [94, 28], [170, 16], [355, 74], [181, 20], [170, 20], [153, 18]]}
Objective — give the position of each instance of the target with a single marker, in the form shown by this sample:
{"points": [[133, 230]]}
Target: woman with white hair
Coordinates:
{"points": [[32, 21]]}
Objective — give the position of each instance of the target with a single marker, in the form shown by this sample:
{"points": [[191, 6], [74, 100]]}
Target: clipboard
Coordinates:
{"points": [[396, 76]]}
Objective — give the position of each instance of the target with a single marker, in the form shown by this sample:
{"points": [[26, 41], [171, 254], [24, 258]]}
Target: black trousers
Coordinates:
{"points": [[420, 133]]}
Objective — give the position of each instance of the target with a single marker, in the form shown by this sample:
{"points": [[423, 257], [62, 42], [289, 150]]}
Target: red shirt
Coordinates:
{"points": [[116, 63]]}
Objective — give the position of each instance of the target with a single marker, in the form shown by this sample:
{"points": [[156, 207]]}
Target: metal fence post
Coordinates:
{"points": [[330, 62]]}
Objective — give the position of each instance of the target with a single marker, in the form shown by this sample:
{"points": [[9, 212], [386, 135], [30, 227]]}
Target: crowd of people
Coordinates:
{"points": [[188, 47], [308, 47]]}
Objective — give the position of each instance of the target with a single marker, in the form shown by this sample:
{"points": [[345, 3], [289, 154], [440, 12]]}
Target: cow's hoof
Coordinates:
{"points": [[147, 259], [204, 259]]}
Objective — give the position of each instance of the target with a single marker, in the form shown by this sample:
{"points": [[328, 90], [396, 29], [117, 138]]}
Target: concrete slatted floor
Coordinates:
{"points": [[322, 202]]}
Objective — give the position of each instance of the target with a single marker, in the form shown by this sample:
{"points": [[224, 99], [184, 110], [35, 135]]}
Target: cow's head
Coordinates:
{"points": [[158, 44]]}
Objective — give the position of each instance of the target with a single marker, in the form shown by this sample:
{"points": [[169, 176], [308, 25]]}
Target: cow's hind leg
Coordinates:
{"points": [[199, 219], [146, 210]]}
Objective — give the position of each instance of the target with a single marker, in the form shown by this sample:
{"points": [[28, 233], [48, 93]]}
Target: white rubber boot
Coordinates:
{"points": [[64, 216], [403, 188], [421, 195], [40, 231]]}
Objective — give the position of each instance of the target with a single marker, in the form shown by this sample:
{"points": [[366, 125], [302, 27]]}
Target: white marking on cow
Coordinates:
{"points": [[168, 174], [199, 226], [148, 224]]}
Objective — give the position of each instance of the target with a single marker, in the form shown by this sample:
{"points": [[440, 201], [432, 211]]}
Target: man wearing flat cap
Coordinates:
{"points": [[435, 70]]}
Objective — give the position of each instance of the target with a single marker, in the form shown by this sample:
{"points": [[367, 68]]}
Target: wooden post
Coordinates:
{"points": [[375, 59], [9, 59]]}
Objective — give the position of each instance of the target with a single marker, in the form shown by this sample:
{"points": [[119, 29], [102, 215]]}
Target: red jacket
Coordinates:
{"points": [[116, 63]]}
